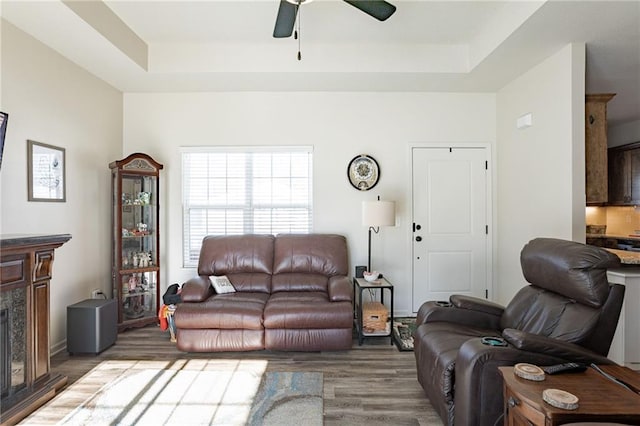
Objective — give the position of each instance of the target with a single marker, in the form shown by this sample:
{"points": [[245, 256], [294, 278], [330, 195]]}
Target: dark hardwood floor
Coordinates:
{"points": [[372, 384]]}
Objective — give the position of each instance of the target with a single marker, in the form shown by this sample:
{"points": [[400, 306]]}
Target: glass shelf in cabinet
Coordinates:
{"points": [[148, 234], [137, 205], [138, 293], [128, 271]]}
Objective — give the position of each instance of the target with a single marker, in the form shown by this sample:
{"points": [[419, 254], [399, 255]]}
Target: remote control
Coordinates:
{"points": [[568, 367]]}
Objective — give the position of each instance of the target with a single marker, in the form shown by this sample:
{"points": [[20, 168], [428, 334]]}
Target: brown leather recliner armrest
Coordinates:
{"points": [[197, 289], [340, 289], [483, 316], [478, 384], [548, 346], [475, 304]]}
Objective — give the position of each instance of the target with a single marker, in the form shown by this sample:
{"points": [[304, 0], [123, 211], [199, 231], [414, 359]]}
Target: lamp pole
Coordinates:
{"points": [[369, 263], [371, 228]]}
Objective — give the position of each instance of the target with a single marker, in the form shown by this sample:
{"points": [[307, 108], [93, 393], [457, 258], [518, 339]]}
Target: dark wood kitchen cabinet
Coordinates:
{"points": [[624, 175]]}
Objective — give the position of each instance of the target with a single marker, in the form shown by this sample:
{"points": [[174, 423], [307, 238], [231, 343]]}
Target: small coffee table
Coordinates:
{"points": [[600, 399]]}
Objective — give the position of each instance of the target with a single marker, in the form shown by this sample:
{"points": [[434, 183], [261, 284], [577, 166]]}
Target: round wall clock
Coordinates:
{"points": [[363, 172]]}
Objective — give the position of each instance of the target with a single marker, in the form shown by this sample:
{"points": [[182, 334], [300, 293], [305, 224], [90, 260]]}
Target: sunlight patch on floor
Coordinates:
{"points": [[129, 392]]}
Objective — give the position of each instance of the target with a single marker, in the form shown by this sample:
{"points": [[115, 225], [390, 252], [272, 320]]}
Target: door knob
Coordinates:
{"points": [[418, 238]]}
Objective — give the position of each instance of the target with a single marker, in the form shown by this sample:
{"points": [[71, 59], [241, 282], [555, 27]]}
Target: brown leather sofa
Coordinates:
{"points": [[568, 313], [292, 293]]}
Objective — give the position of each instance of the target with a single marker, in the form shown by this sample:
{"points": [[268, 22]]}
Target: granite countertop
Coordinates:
{"points": [[627, 257], [619, 237]]}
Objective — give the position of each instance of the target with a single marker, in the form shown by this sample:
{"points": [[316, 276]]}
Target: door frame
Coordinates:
{"points": [[491, 207]]}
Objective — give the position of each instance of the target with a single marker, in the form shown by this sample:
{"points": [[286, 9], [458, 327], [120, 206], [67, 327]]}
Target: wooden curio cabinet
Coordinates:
{"points": [[136, 239]]}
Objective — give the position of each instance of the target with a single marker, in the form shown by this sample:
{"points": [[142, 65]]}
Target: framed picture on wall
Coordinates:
{"points": [[46, 172]]}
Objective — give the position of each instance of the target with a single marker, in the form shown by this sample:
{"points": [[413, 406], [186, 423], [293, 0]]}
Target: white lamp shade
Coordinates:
{"points": [[378, 213]]}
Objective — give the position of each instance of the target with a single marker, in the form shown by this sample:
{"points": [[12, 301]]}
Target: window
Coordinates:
{"points": [[233, 190]]}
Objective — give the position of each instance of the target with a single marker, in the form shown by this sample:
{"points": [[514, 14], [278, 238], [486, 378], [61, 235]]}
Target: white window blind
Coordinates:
{"points": [[244, 190]]}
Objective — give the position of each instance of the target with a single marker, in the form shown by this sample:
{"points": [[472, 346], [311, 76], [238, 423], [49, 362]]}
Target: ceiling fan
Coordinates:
{"points": [[288, 10]]}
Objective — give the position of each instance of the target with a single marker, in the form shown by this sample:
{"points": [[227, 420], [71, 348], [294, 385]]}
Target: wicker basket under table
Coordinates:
{"points": [[374, 317]]}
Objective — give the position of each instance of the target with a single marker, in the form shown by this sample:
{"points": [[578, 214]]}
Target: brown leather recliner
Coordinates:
{"points": [[568, 313]]}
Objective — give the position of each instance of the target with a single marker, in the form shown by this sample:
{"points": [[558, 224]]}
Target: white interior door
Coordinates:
{"points": [[450, 221]]}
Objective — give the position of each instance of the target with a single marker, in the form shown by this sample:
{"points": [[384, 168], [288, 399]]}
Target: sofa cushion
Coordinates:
{"points": [[306, 310], [224, 311], [299, 282], [250, 282], [227, 254], [307, 339], [324, 254], [219, 340]]}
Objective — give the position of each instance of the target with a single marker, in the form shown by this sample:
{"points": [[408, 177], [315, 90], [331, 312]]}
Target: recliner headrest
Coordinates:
{"points": [[574, 270]]}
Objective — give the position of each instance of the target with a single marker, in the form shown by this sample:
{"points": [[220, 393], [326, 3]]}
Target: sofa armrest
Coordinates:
{"points": [[552, 347], [469, 311], [340, 289], [196, 289]]}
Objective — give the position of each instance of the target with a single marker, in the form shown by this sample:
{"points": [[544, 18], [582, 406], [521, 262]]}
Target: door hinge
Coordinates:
{"points": [[486, 165], [486, 229], [414, 227], [486, 293]]}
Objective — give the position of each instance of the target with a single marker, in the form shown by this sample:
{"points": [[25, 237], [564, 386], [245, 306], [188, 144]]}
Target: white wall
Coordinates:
{"points": [[540, 176], [339, 126], [51, 100], [1, 21]]}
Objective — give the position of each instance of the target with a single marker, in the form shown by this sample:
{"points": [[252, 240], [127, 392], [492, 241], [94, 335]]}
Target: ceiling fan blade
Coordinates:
{"points": [[381, 10], [285, 20]]}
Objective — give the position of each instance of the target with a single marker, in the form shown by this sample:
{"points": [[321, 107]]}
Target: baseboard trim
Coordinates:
{"points": [[59, 347]]}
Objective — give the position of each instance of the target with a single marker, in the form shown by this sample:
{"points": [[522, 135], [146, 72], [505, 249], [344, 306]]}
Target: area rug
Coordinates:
{"points": [[288, 398], [186, 392], [403, 329]]}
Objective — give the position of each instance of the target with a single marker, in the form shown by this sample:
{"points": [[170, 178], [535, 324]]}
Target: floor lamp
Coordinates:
{"points": [[376, 214]]}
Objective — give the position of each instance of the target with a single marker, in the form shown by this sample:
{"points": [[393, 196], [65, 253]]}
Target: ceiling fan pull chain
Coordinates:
{"points": [[298, 34]]}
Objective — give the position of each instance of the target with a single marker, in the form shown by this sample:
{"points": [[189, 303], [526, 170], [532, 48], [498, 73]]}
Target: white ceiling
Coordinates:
{"points": [[214, 45]]}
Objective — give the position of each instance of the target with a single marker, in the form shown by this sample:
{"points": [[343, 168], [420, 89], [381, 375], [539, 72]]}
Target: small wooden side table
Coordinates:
{"points": [[360, 284], [600, 399]]}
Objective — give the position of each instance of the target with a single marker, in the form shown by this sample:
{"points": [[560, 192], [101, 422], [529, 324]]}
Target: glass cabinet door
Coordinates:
{"points": [[139, 251], [136, 257]]}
